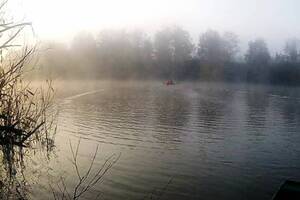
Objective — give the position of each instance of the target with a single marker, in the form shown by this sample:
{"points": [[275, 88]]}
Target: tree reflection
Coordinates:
{"points": [[289, 107], [24, 122], [171, 112], [210, 112], [171, 108], [211, 108], [15, 159], [257, 101]]}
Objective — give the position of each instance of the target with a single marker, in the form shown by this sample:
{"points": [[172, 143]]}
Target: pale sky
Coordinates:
{"points": [[274, 20]]}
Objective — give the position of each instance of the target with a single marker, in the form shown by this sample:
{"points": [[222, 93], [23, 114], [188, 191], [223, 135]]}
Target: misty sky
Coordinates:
{"points": [[274, 20]]}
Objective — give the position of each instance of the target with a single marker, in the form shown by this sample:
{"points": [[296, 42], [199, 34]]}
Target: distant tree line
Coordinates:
{"points": [[170, 54]]}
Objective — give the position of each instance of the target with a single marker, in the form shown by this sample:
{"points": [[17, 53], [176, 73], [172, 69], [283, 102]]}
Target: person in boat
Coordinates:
{"points": [[169, 82]]}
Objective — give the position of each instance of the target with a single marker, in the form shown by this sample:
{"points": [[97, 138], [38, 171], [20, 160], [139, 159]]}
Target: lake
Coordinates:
{"points": [[187, 141]]}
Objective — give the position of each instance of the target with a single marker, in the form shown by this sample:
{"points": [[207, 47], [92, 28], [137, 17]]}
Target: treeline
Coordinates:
{"points": [[169, 54]]}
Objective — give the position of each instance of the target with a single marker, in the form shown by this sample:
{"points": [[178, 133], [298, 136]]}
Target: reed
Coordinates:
{"points": [[24, 120]]}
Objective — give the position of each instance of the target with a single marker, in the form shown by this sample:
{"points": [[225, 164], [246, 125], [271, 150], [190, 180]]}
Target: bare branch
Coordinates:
{"points": [[15, 26], [11, 38]]}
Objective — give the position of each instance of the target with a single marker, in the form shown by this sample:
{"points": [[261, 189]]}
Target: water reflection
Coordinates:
{"points": [[196, 133], [290, 110], [171, 108], [14, 180], [211, 107], [171, 111], [257, 100]]}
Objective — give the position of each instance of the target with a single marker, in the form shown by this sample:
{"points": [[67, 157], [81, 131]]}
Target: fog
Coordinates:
{"points": [[273, 20], [186, 99], [253, 41]]}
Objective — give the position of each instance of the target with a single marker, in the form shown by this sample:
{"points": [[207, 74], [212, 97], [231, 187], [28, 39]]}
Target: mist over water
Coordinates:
{"points": [[156, 99], [214, 140]]}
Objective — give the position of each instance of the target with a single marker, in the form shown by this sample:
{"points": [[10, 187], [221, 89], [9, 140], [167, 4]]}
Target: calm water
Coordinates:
{"points": [[215, 141]]}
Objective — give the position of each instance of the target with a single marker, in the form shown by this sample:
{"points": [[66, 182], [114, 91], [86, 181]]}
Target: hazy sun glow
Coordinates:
{"points": [[61, 19]]}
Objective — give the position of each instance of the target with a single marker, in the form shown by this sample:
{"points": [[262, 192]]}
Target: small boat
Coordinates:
{"points": [[169, 82]]}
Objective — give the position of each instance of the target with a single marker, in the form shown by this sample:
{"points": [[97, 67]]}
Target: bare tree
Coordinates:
{"points": [[23, 117], [87, 180]]}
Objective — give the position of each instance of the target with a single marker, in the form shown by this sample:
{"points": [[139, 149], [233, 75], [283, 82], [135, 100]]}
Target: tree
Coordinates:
{"points": [[258, 53], [124, 54], [56, 61], [291, 50], [83, 53], [258, 58], [114, 51], [163, 52], [231, 42], [216, 49], [182, 47], [173, 47], [23, 117], [141, 54]]}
